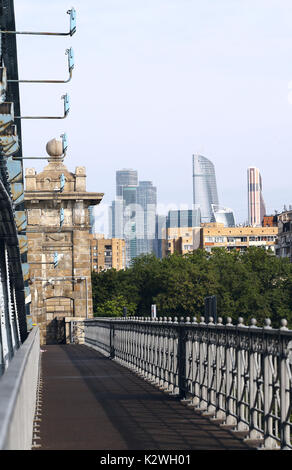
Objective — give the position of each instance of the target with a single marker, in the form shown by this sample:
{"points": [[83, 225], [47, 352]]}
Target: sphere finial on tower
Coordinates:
{"points": [[54, 149]]}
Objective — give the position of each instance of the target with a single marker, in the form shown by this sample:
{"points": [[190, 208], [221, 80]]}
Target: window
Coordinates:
{"points": [[188, 247], [219, 239]]}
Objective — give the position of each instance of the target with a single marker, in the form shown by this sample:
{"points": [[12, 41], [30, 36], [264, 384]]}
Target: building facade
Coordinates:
{"points": [[204, 187], [284, 245], [180, 240], [270, 221], [256, 204], [215, 235], [182, 232], [107, 253]]}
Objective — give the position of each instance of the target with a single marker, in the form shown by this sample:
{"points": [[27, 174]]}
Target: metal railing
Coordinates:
{"points": [[238, 374]]}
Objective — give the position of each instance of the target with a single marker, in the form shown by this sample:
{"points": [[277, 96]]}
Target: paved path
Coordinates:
{"points": [[91, 402]]}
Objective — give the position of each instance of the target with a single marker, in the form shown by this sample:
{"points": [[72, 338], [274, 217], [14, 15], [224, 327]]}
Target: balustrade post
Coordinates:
{"points": [[242, 378], [181, 360], [254, 393], [211, 372], [269, 441], [203, 369], [170, 374], [230, 378], [175, 389], [285, 394], [220, 372], [112, 340]]}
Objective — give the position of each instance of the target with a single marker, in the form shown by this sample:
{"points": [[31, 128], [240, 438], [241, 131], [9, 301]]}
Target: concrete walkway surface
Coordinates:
{"points": [[90, 402]]}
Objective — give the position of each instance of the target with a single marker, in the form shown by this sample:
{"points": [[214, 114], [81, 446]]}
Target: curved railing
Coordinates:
{"points": [[239, 375]]}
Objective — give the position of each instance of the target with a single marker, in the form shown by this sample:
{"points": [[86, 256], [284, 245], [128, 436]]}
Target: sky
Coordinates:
{"points": [[156, 81]]}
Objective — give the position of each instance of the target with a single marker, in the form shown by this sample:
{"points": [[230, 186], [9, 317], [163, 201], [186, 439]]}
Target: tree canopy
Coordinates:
{"points": [[252, 284]]}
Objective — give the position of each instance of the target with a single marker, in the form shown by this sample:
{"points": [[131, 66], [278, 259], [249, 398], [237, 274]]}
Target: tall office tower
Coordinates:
{"points": [[256, 204], [204, 187], [125, 177], [133, 213], [129, 194], [183, 218], [123, 211], [160, 233], [116, 221], [223, 215], [91, 219], [146, 213]]}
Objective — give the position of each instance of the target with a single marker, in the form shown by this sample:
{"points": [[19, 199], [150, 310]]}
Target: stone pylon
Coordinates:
{"points": [[58, 221]]}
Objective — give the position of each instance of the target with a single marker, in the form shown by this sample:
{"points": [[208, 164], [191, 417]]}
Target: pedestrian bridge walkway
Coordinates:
{"points": [[88, 401]]}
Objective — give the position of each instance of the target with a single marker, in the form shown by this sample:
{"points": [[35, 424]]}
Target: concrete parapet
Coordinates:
{"points": [[18, 388]]}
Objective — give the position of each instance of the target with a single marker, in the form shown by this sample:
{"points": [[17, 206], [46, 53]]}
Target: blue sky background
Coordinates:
{"points": [[158, 80]]}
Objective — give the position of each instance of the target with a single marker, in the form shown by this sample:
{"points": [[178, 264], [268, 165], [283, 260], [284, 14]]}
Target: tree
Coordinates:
{"points": [[254, 283], [114, 307]]}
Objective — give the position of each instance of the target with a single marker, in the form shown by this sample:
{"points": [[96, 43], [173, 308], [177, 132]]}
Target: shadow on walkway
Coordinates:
{"points": [[92, 402]]}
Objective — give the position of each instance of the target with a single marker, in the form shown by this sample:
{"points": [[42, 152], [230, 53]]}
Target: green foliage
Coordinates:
{"points": [[250, 284], [114, 307]]}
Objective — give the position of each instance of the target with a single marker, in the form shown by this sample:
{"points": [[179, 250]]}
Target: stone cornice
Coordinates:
{"points": [[56, 195]]}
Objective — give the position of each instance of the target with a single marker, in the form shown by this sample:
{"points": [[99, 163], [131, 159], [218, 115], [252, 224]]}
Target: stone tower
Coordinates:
{"points": [[58, 221]]}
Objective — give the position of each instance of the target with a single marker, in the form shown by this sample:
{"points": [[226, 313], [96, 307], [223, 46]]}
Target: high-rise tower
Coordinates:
{"points": [[256, 204], [147, 202], [124, 178], [204, 187], [133, 213]]}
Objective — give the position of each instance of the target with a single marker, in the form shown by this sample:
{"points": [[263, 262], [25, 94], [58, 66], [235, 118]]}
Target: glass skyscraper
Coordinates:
{"points": [[204, 187], [223, 215], [124, 178], [130, 221], [116, 218], [91, 219], [147, 203], [183, 218], [160, 226], [133, 213]]}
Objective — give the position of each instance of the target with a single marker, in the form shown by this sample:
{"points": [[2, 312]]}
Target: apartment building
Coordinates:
{"points": [[284, 245], [215, 235], [181, 240], [107, 253], [237, 238]]}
